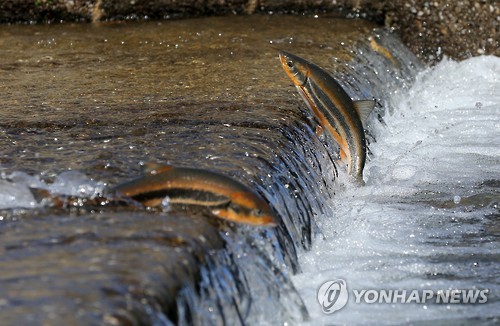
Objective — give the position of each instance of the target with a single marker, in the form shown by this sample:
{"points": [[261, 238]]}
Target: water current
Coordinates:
{"points": [[83, 106], [428, 217]]}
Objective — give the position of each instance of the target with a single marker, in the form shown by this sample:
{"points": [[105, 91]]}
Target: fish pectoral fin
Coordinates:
{"points": [[343, 155], [224, 211], [320, 132], [364, 108], [155, 168]]}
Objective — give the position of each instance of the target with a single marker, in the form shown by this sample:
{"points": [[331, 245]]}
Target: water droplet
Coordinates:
{"points": [[165, 204]]}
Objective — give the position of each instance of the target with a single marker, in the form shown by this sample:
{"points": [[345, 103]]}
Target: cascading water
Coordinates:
{"points": [[427, 219], [266, 140]]}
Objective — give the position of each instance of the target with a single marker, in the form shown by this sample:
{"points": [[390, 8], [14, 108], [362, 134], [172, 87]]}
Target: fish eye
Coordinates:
{"points": [[290, 64]]}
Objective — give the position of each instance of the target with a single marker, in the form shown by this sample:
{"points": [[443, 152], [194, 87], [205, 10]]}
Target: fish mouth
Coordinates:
{"points": [[283, 58], [282, 55]]}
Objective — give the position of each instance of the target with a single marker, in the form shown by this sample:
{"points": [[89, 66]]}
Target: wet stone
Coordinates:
{"points": [[88, 268]]}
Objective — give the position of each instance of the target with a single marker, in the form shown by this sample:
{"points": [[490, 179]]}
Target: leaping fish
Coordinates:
{"points": [[335, 110], [383, 51], [226, 198]]}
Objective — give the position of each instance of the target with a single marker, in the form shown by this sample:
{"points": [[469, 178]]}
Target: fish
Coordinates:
{"points": [[225, 197], [383, 51], [337, 113]]}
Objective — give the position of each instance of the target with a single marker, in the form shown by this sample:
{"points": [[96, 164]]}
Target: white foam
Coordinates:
{"points": [[75, 183], [14, 195], [15, 188], [442, 140]]}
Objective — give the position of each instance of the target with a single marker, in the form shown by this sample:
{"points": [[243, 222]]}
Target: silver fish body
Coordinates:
{"points": [[335, 110]]}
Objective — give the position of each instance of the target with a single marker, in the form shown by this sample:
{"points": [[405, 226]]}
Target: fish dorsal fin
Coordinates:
{"points": [[155, 168], [364, 108]]}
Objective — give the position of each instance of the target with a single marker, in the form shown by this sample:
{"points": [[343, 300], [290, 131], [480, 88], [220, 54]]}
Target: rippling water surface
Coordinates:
{"points": [[83, 106]]}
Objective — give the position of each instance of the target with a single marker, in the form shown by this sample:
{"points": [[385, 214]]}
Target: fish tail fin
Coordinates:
{"points": [[364, 108]]}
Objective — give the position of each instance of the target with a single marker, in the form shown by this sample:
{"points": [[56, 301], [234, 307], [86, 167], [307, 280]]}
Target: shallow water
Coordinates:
{"points": [[100, 100]]}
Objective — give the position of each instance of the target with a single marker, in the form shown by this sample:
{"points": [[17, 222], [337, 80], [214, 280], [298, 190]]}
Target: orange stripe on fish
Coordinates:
{"points": [[226, 197], [383, 51], [335, 110]]}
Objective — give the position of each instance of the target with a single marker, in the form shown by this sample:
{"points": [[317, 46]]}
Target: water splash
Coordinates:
{"points": [[406, 229], [276, 152]]}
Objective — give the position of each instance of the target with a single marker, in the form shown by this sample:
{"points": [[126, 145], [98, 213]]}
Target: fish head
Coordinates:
{"points": [[247, 208], [295, 67]]}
